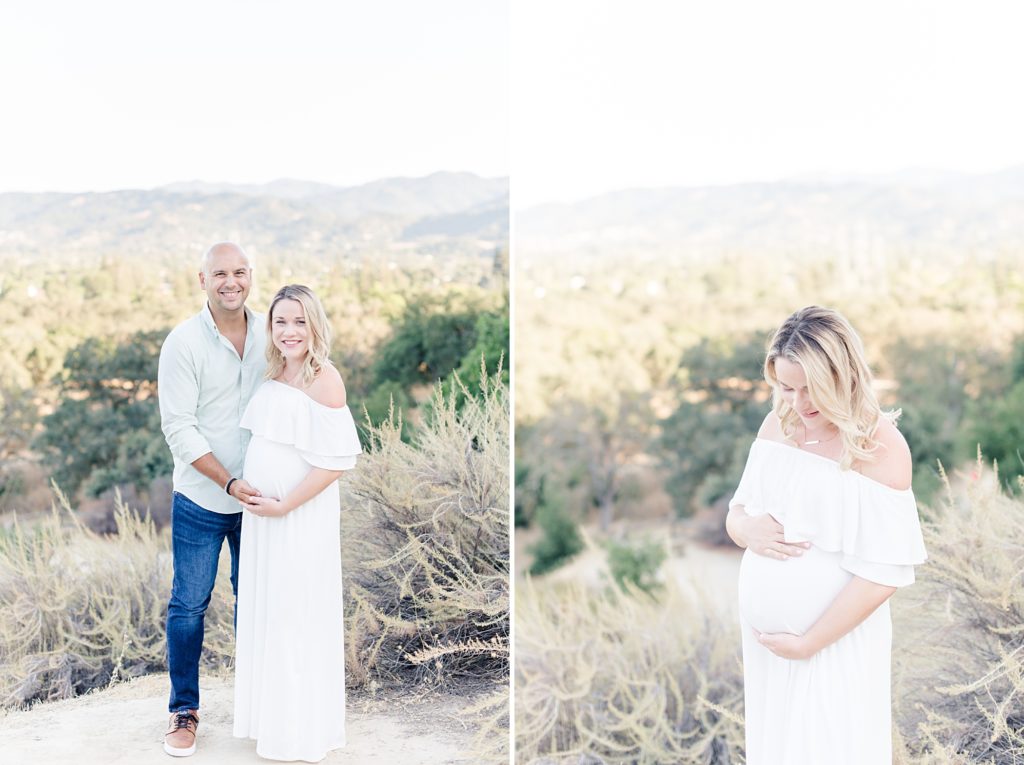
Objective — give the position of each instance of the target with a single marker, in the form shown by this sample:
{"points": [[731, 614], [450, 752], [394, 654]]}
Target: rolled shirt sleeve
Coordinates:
{"points": [[178, 383]]}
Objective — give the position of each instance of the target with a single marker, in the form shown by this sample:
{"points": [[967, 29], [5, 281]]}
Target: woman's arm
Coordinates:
{"points": [[316, 480], [761, 533], [854, 603]]}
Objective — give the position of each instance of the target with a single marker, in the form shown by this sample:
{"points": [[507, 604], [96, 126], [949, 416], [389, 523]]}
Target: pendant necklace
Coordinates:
{"points": [[818, 440]]}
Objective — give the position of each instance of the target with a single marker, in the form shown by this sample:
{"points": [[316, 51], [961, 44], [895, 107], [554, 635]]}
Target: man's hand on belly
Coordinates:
{"points": [[243, 491]]}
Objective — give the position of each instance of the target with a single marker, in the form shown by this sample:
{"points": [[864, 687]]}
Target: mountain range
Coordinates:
{"points": [[442, 213], [914, 212]]}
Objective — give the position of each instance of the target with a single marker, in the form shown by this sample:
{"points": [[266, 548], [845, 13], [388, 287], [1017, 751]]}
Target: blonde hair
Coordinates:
{"points": [[317, 326], [839, 380]]}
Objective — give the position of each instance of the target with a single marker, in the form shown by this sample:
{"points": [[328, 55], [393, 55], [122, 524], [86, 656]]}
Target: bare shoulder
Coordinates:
{"points": [[771, 428], [893, 466], [328, 388]]}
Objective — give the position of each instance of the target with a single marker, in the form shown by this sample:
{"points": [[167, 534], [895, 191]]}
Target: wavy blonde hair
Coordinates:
{"points": [[839, 380], [316, 325]]}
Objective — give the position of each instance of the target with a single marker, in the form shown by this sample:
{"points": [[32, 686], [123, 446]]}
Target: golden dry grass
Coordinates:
{"points": [[959, 689], [79, 610], [624, 678]]}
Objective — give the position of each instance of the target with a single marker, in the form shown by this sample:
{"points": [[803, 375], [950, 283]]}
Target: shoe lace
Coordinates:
{"points": [[185, 720]]}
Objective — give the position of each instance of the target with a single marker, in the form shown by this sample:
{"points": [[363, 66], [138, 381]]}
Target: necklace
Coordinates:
{"points": [[291, 380], [818, 440]]}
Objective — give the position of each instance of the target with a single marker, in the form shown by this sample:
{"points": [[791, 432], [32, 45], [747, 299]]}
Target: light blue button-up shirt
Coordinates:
{"points": [[204, 388]]}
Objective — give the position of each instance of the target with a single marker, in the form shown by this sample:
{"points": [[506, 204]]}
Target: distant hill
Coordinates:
{"points": [[915, 212], [443, 213]]}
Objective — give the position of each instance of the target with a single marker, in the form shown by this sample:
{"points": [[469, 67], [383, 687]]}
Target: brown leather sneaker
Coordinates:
{"points": [[180, 739]]}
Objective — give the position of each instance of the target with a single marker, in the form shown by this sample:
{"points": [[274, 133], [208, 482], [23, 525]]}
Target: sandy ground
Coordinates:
{"points": [[126, 724]]}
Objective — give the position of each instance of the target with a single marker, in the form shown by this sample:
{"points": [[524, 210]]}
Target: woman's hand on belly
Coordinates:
{"points": [[854, 603], [762, 534], [787, 646], [267, 507]]}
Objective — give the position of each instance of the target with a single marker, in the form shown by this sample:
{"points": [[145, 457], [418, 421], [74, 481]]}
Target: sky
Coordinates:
{"points": [[106, 94], [613, 95]]}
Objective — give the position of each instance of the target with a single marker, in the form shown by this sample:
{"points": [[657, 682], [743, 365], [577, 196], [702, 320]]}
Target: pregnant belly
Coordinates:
{"points": [[790, 595], [275, 469]]}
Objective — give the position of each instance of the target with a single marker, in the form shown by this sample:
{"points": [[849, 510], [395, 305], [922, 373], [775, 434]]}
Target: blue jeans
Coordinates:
{"points": [[196, 539]]}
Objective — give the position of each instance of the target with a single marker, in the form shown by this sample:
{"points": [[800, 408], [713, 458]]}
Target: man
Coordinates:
{"points": [[210, 365]]}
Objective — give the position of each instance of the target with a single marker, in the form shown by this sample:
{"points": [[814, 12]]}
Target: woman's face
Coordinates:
{"points": [[289, 331], [793, 388]]}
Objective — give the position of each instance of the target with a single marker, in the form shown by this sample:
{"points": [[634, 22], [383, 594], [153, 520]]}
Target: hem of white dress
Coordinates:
{"points": [[284, 758]]}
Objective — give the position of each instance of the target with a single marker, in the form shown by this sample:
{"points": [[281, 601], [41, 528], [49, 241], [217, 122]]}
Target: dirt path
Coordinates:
{"points": [[711, 572], [125, 725]]}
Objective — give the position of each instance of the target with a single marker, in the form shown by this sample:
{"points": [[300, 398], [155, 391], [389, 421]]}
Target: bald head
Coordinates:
{"points": [[221, 248], [225, 278]]}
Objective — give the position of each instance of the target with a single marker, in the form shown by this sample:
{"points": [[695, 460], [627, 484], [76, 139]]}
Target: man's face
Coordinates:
{"points": [[227, 280]]}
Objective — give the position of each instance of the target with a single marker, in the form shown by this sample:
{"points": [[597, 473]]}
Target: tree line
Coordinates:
{"points": [[79, 397]]}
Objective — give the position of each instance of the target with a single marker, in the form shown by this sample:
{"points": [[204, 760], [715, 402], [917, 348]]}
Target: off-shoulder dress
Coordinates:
{"points": [[834, 707], [289, 655]]}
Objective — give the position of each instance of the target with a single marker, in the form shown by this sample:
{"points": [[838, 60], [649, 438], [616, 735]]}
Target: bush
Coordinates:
{"points": [[636, 565], [962, 632], [105, 429], [426, 546], [624, 679], [80, 611], [561, 538]]}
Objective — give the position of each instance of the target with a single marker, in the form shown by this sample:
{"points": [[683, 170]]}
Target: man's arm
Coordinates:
{"points": [[178, 394], [178, 388], [210, 466]]}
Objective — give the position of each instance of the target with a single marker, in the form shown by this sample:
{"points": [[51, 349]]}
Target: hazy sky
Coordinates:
{"points": [[610, 95], [104, 94]]}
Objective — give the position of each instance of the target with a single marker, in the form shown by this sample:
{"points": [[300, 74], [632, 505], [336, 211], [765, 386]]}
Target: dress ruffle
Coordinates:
{"points": [[874, 526], [325, 436]]}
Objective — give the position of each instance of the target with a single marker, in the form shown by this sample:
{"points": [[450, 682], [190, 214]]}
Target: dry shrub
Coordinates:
{"points": [[425, 539], [491, 739], [79, 610], [624, 678], [961, 685]]}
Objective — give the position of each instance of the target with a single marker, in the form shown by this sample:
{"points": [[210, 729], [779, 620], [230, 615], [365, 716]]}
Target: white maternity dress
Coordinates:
{"points": [[835, 707], [289, 655]]}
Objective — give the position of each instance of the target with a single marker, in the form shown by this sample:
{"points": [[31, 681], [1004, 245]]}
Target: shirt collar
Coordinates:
{"points": [[207, 318]]}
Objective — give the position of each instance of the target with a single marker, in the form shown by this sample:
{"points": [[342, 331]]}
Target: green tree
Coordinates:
{"points": [[560, 538], [723, 400], [637, 564], [387, 400], [105, 430], [492, 346], [18, 414], [995, 424], [933, 378], [427, 346]]}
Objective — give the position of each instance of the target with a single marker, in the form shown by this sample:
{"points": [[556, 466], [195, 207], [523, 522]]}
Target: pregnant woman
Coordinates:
{"points": [[289, 658], [830, 524]]}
